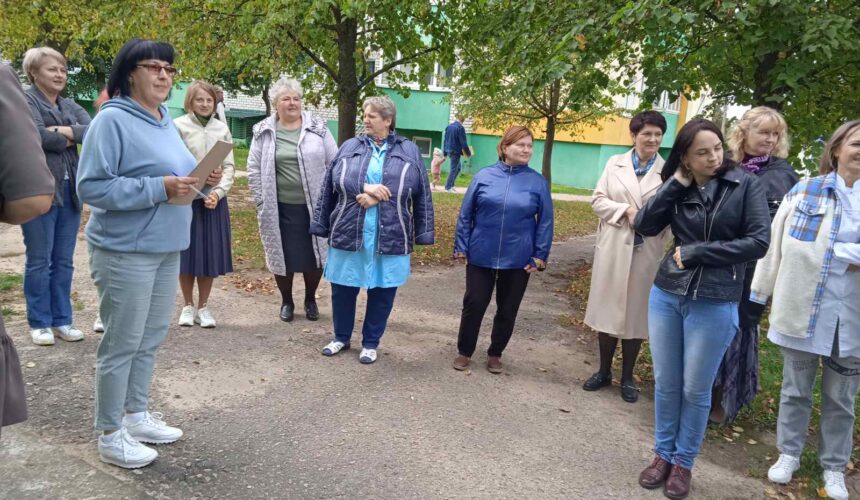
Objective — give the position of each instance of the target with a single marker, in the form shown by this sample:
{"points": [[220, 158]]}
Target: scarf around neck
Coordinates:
{"points": [[753, 164]]}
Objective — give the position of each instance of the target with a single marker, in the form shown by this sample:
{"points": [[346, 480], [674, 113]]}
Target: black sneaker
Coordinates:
{"points": [[629, 392], [597, 382]]}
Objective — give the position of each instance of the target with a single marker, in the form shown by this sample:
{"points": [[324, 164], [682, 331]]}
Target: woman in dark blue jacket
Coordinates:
{"points": [[504, 232]]}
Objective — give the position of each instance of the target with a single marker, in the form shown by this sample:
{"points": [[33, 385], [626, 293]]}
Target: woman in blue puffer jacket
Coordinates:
{"points": [[504, 232]]}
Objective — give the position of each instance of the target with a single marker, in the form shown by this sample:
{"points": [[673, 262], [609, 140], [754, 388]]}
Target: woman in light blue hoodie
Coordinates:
{"points": [[127, 174]]}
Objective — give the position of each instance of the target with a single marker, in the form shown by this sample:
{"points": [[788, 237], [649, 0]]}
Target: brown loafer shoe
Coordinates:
{"points": [[655, 474], [461, 363], [494, 364], [678, 484]]}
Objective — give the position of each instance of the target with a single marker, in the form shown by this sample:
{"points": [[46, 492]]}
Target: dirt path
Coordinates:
{"points": [[266, 416]]}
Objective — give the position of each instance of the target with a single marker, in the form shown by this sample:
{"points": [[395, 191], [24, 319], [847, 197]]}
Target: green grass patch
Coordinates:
{"points": [[10, 282], [240, 156], [11, 292]]}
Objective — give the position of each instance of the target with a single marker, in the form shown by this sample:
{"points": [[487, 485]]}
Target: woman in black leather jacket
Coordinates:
{"points": [[719, 218], [759, 141]]}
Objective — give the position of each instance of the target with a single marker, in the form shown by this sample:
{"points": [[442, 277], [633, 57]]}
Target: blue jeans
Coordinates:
{"points": [[380, 301], [455, 170], [137, 293], [688, 340], [50, 250]]}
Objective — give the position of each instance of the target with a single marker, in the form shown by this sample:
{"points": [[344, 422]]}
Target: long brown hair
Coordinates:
{"points": [[512, 135], [828, 158]]}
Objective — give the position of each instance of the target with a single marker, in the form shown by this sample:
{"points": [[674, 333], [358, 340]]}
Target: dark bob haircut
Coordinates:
{"points": [[685, 139], [649, 117], [134, 51]]}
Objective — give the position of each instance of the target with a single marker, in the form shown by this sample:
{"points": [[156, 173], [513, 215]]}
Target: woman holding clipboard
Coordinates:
{"points": [[208, 255], [135, 236]]}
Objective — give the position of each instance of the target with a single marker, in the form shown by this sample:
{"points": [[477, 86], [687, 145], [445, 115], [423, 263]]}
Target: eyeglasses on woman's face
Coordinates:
{"points": [[155, 69]]}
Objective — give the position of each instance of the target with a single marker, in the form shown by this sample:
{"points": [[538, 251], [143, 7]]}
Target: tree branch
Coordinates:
{"points": [[394, 64], [317, 59]]}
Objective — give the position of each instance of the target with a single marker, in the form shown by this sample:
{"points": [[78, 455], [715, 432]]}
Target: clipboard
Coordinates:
{"points": [[213, 159]]}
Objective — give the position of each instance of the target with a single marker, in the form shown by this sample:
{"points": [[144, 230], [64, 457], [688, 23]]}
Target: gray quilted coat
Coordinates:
{"points": [[317, 149]]}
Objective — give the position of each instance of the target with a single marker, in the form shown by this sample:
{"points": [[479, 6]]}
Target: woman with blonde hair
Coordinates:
{"points": [[208, 255], [811, 274], [759, 142]]}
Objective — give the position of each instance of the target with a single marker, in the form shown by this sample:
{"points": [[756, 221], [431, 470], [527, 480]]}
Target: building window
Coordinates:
{"points": [[425, 145]]}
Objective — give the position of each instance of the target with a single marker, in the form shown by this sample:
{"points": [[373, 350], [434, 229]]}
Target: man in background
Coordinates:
{"points": [[454, 145]]}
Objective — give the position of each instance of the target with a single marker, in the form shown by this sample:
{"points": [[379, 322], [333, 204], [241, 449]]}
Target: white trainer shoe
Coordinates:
{"points": [[783, 469], [42, 336], [334, 347], [834, 485], [68, 333], [98, 326], [186, 317], [152, 429], [367, 356], [205, 318], [122, 450]]}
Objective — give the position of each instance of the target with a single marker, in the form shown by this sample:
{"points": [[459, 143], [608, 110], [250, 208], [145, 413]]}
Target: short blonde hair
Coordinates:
{"points": [[283, 86], [199, 86], [828, 157], [383, 105], [35, 58], [752, 119]]}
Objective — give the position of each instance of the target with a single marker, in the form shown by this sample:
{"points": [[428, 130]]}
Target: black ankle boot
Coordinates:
{"points": [[287, 311]]}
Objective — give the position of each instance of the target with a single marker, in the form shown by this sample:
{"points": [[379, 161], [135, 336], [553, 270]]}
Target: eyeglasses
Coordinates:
{"points": [[155, 69]]}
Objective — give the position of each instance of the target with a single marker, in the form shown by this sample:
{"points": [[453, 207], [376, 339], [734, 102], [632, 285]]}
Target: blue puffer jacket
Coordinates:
{"points": [[404, 219], [506, 218]]}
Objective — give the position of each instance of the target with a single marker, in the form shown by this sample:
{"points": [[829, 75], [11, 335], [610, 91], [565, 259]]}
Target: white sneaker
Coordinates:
{"points": [[42, 336], [152, 429], [122, 450], [452, 190], [834, 485], [205, 318], [98, 326], [68, 333], [367, 356], [186, 318], [334, 347], [783, 469]]}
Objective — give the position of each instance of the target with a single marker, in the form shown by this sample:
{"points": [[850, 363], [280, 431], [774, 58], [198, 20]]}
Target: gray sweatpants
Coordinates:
{"points": [[137, 293], [839, 384]]}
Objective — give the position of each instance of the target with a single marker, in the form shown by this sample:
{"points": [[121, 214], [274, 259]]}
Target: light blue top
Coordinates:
{"points": [[126, 154], [839, 300], [366, 268]]}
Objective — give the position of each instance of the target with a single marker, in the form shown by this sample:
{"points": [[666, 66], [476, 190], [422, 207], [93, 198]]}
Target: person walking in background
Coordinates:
{"points": [[375, 205], [504, 233], [760, 142], [26, 192], [208, 255], [51, 238], [811, 275], [454, 145], [135, 237], [625, 262], [287, 164], [719, 218]]}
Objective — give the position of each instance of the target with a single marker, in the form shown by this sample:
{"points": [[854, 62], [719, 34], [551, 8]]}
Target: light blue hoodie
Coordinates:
{"points": [[125, 156]]}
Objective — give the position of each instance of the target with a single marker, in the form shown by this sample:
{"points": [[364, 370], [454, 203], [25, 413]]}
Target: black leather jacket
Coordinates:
{"points": [[715, 243]]}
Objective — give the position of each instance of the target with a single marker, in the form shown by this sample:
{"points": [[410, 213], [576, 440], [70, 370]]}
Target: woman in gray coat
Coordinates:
{"points": [[287, 163], [50, 239]]}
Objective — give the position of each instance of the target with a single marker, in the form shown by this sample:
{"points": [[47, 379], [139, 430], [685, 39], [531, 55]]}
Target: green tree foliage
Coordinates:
{"points": [[537, 63], [799, 56]]}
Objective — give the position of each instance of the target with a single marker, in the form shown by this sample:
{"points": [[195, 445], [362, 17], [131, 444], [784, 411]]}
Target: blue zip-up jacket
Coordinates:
{"points": [[405, 219], [455, 140], [127, 153], [506, 218]]}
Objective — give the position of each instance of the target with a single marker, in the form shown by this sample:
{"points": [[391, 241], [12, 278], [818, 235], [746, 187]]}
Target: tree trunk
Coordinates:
{"points": [[267, 102], [347, 84], [763, 90], [546, 167]]}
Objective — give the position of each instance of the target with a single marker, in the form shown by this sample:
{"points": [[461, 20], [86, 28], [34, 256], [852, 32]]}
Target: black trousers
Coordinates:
{"points": [[510, 286]]}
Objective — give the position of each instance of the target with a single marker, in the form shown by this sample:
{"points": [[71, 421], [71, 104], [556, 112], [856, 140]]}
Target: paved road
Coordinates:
{"points": [[266, 416]]}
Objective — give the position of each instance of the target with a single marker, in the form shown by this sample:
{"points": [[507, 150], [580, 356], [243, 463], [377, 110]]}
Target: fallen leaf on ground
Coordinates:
{"points": [[752, 441], [738, 428], [565, 410], [30, 364]]}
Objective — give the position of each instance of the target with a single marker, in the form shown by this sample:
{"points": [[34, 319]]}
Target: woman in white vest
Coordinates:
{"points": [[625, 262]]}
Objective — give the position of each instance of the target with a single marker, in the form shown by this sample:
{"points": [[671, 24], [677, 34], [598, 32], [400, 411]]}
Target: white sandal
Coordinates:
{"points": [[367, 356], [334, 347]]}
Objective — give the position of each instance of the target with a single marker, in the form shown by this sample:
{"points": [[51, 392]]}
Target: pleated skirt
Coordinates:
{"points": [[209, 254]]}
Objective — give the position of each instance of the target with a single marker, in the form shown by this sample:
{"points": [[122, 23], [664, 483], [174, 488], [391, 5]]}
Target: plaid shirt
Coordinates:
{"points": [[815, 196]]}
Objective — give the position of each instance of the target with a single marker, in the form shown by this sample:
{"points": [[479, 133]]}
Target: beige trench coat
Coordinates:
{"points": [[621, 276]]}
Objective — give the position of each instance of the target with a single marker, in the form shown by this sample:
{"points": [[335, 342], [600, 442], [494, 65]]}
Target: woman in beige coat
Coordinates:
{"points": [[625, 263]]}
